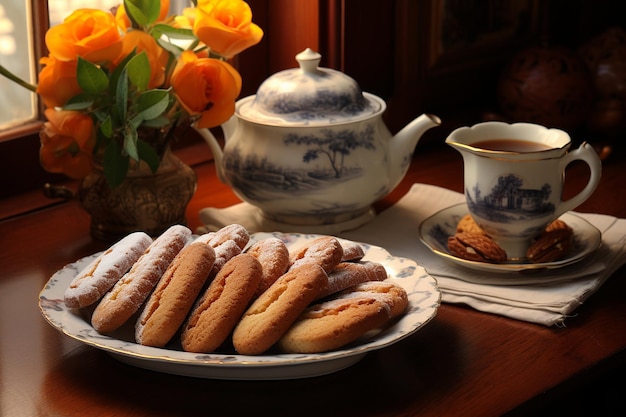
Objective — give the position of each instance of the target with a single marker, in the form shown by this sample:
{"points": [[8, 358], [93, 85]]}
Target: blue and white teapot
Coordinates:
{"points": [[310, 148]]}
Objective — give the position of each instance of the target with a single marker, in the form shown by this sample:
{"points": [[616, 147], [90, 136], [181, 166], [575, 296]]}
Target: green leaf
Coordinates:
{"points": [[115, 164], [121, 96], [172, 55], [142, 12], [170, 47], [130, 142], [149, 155], [135, 121], [138, 69], [161, 29], [117, 72], [153, 103], [157, 122], [79, 102], [114, 114], [91, 78], [106, 127], [100, 115]]}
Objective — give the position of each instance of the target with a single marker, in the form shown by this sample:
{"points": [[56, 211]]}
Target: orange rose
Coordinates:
{"points": [[88, 33], [157, 56], [206, 87], [186, 19], [226, 26], [57, 81], [124, 21], [66, 143]]}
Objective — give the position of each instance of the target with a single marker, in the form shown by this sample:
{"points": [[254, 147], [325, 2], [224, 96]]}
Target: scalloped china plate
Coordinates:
{"points": [[424, 299], [435, 230]]}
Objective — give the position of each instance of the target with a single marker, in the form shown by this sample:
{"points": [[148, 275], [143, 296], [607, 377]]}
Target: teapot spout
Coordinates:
{"points": [[410, 134], [403, 145]]}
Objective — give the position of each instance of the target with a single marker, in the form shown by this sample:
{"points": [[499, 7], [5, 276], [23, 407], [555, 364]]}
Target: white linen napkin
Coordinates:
{"points": [[546, 298]]}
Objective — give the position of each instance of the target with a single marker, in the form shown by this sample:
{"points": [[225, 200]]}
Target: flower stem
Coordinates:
{"points": [[17, 79]]}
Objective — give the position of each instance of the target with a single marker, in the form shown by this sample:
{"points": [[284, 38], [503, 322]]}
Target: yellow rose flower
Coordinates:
{"points": [[66, 143], [87, 33], [157, 56], [57, 81], [207, 87], [225, 26]]}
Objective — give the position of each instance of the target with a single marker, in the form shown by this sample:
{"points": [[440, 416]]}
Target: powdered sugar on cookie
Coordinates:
{"points": [[102, 274], [129, 293]]}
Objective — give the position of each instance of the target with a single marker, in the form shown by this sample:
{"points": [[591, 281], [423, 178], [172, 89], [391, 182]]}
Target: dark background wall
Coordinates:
{"points": [[438, 56]]}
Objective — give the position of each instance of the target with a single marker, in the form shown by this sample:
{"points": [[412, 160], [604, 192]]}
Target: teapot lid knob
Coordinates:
{"points": [[308, 60]]}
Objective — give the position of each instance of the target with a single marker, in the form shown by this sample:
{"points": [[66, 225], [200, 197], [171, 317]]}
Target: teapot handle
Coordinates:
{"points": [[216, 150]]}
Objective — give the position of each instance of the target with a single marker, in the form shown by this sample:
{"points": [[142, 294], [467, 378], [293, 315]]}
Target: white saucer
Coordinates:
{"points": [[253, 220], [435, 230], [423, 294]]}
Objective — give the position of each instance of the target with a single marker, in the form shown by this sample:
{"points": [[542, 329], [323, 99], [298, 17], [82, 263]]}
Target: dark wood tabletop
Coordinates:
{"points": [[462, 363]]}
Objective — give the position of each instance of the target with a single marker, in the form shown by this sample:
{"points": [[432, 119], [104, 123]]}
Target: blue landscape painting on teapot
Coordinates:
{"points": [[332, 150]]}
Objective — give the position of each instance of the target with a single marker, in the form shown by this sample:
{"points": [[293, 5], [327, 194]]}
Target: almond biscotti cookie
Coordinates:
{"points": [[332, 324], [325, 251], [273, 255], [222, 304], [349, 274], [270, 315], [132, 290], [100, 276], [174, 295]]}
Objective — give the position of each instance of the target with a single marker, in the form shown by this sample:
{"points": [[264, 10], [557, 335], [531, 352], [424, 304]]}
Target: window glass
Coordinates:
{"points": [[17, 104], [60, 9]]}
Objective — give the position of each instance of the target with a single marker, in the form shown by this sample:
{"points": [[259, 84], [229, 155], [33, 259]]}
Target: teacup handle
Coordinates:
{"points": [[587, 154]]}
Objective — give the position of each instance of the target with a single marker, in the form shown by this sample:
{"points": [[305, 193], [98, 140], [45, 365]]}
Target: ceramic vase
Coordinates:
{"points": [[144, 201]]}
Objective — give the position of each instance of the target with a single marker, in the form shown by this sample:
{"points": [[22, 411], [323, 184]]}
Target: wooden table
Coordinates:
{"points": [[462, 363]]}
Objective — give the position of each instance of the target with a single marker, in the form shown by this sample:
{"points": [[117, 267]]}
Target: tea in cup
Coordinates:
{"points": [[514, 176]]}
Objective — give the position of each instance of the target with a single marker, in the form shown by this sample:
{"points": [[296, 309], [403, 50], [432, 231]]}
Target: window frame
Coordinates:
{"points": [[40, 21]]}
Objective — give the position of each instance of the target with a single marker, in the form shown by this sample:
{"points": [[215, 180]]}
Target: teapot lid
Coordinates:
{"points": [[309, 95]]}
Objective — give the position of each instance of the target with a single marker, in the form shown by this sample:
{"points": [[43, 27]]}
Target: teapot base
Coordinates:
{"points": [[316, 219], [255, 220]]}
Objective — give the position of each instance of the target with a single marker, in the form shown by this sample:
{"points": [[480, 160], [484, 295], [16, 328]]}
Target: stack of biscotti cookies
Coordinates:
{"points": [[220, 292]]}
